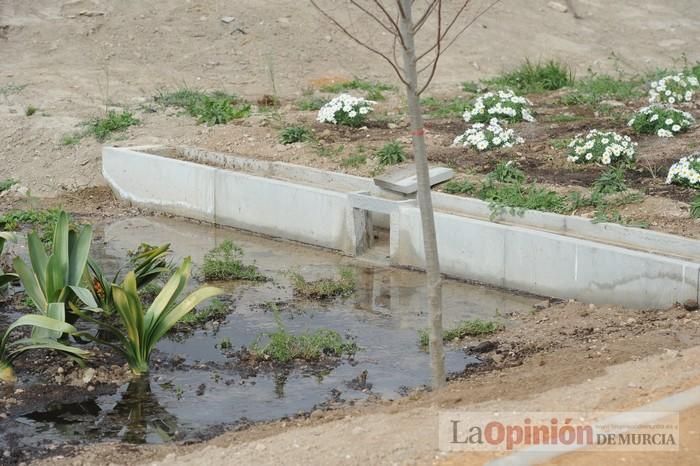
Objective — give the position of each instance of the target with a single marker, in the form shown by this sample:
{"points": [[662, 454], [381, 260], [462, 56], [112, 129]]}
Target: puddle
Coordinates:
{"points": [[383, 316]]}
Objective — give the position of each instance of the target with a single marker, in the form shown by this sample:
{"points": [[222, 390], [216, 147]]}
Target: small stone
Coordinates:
{"points": [[227, 19], [484, 347], [260, 447], [88, 375], [90, 388], [691, 305], [541, 305], [612, 103], [558, 7], [317, 414]]}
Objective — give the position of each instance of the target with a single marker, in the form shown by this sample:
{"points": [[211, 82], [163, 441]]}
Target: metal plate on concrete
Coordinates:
{"points": [[403, 180]]}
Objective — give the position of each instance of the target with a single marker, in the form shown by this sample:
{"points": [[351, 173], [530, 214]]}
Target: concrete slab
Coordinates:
{"points": [[403, 180]]}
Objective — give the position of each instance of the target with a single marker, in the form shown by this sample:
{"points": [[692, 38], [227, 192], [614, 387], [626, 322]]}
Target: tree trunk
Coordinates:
{"points": [[425, 203]]}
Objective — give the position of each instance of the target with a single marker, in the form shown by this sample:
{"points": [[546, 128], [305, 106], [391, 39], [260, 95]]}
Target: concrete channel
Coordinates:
{"points": [[542, 253]]}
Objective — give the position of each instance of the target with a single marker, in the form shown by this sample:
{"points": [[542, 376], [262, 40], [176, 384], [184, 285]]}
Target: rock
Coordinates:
{"points": [[612, 103], [541, 305], [558, 7], [691, 305], [316, 414], [227, 19], [201, 389], [88, 375], [260, 447], [484, 347]]}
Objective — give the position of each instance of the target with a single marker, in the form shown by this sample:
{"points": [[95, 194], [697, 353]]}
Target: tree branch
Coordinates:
{"points": [[437, 52], [358, 41]]}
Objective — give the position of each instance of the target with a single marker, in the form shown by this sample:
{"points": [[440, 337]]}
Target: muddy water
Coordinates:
{"points": [[383, 317]]}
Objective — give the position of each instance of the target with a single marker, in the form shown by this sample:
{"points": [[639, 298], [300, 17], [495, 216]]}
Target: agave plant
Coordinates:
{"points": [[45, 330], [6, 278], [149, 263], [55, 278], [143, 330]]}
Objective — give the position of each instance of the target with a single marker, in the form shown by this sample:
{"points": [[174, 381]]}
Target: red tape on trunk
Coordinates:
{"points": [[418, 132]]}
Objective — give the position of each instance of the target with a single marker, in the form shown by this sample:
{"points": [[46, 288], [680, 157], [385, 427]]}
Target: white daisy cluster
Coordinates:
{"points": [[601, 147], [661, 120], [685, 172], [673, 89], [484, 137], [345, 109], [504, 105]]}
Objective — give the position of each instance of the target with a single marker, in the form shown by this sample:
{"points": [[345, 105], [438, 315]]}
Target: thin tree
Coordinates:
{"points": [[404, 20]]}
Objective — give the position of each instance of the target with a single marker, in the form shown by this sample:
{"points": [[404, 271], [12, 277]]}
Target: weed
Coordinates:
{"points": [[179, 392], [224, 263], [563, 118], [292, 134], [11, 89], [532, 78], [506, 172], [596, 88], [30, 110], [458, 187], [560, 143], [42, 221], [215, 311], [471, 87], [310, 102], [515, 198], [224, 344], [695, 207], [374, 90], [391, 153], [211, 108], [611, 181], [71, 139], [445, 108], [7, 184], [102, 128], [324, 288], [354, 161], [614, 216], [328, 151], [283, 347], [466, 328]]}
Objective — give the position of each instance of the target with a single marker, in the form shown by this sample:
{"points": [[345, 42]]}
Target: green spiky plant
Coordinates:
{"points": [[45, 330], [149, 263], [6, 278], [142, 330], [56, 278]]}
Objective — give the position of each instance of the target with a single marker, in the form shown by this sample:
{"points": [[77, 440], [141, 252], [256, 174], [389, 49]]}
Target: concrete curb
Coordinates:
{"points": [[546, 254]]}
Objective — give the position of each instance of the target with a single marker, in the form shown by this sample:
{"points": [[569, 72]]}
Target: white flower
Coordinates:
{"points": [[344, 106], [669, 121], [675, 128], [664, 133]]}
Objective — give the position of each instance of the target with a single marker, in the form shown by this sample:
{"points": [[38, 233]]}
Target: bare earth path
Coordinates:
{"points": [[72, 58]]}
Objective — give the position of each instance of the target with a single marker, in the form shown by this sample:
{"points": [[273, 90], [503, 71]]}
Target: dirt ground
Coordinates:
{"points": [[73, 59]]}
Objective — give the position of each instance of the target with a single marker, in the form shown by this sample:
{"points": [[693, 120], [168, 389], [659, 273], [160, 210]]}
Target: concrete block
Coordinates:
{"points": [[403, 180]]}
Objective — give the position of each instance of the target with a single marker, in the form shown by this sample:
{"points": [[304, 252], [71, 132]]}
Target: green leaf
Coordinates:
{"points": [[169, 293], [131, 317], [55, 311], [79, 255], [38, 258], [170, 318], [60, 251], [31, 284], [84, 295], [34, 320], [6, 278], [20, 346], [55, 279]]}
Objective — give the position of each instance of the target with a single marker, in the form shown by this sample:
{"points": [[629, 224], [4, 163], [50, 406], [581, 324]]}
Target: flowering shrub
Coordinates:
{"points": [[485, 137], [345, 109], [685, 172], [660, 120], [673, 89], [601, 147], [504, 105]]}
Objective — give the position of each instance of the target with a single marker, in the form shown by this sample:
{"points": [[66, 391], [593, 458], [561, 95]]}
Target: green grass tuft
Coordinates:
{"points": [[354, 161], [695, 207], [224, 263], [391, 153], [466, 328], [213, 108], [374, 90], [611, 181], [103, 127], [215, 311], [459, 187], [283, 347], [596, 88], [324, 288], [7, 184], [292, 134], [506, 172], [445, 108], [531, 78], [30, 110], [41, 221]]}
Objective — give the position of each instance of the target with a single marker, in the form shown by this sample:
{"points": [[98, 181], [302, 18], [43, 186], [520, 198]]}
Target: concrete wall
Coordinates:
{"points": [[548, 264], [541, 253]]}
